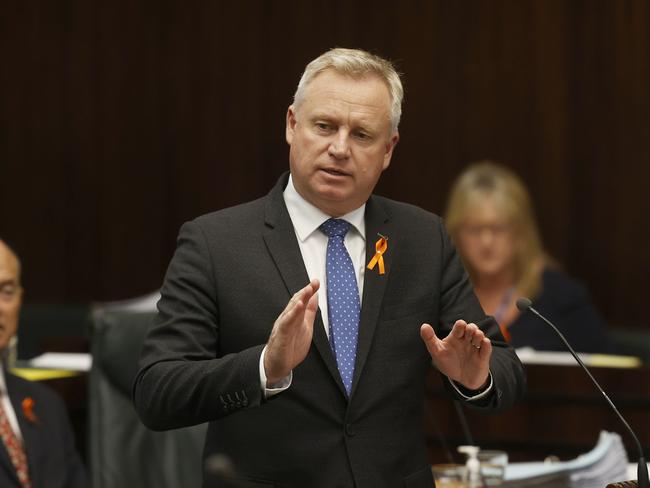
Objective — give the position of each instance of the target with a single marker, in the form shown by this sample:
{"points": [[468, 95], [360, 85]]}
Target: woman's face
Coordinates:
{"points": [[486, 239]]}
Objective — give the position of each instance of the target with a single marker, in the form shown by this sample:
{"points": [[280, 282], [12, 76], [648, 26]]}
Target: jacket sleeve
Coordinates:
{"points": [[458, 301], [182, 379]]}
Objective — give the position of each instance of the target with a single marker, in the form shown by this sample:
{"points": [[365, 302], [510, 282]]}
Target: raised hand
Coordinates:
{"points": [[291, 335], [463, 356]]}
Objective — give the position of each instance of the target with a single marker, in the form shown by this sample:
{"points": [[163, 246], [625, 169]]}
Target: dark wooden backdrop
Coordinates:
{"points": [[121, 119]]}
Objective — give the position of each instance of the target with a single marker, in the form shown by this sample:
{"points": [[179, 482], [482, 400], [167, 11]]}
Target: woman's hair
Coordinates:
{"points": [[486, 179]]}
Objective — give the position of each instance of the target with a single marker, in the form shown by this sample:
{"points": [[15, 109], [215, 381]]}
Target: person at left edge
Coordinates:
{"points": [[244, 333], [36, 418]]}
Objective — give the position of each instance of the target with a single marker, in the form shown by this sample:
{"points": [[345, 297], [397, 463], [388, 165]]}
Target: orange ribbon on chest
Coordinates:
{"points": [[378, 259]]}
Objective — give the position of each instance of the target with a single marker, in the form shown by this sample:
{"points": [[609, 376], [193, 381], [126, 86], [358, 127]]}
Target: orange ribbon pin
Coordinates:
{"points": [[380, 248], [28, 410]]}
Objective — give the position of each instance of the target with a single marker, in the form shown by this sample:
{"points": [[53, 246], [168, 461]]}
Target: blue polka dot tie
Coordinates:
{"points": [[343, 303]]}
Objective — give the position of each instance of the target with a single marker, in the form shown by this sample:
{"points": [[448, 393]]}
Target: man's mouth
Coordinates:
{"points": [[334, 172]]}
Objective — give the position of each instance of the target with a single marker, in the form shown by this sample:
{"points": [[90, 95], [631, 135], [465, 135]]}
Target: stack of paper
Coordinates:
{"points": [[528, 355], [70, 361], [606, 463]]}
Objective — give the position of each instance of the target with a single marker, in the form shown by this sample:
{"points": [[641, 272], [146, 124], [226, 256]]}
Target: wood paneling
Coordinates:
{"points": [[120, 120]]}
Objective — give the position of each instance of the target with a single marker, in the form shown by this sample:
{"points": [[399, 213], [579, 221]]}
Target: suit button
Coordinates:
{"points": [[349, 430]]}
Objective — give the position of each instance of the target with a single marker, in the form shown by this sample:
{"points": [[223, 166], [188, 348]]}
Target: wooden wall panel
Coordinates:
{"points": [[120, 120]]}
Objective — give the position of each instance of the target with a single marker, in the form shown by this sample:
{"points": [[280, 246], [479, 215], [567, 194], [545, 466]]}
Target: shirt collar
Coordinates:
{"points": [[307, 218], [3, 381]]}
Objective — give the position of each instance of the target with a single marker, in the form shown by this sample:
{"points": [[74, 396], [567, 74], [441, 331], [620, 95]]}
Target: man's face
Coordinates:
{"points": [[341, 140], [10, 296]]}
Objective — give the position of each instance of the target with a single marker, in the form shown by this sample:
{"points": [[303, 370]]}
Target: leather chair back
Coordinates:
{"points": [[123, 452]]}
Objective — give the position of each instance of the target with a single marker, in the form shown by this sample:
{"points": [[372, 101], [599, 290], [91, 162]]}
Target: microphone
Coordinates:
{"points": [[524, 304], [220, 471]]}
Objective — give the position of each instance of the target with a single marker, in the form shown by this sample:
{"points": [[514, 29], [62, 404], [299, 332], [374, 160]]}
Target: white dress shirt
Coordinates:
{"points": [[6, 404], [306, 220]]}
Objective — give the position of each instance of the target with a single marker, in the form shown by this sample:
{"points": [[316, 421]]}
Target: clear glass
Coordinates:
{"points": [[448, 475], [493, 466]]}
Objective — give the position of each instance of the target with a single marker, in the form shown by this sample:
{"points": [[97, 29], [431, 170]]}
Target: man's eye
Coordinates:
{"points": [[8, 290], [323, 126], [362, 136]]}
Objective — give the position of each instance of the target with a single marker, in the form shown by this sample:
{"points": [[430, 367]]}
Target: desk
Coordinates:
{"points": [[560, 415]]}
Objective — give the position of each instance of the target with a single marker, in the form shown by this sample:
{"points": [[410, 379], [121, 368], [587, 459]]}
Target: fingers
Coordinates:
{"points": [[291, 333], [430, 338], [427, 333], [314, 284], [474, 336], [312, 308], [485, 349], [477, 339], [459, 329], [300, 301], [470, 335]]}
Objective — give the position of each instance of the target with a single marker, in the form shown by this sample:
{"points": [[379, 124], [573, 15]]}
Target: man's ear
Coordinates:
{"points": [[392, 142], [291, 124]]}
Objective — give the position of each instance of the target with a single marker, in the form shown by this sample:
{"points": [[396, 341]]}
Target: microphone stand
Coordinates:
{"points": [[524, 304]]}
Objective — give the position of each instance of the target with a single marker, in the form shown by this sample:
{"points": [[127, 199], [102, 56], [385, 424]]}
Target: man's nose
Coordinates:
{"points": [[339, 147]]}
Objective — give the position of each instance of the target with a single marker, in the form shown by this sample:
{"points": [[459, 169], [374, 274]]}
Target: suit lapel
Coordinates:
{"points": [[282, 244], [377, 222]]}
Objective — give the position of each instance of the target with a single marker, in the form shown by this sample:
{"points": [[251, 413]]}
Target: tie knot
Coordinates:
{"points": [[335, 227]]}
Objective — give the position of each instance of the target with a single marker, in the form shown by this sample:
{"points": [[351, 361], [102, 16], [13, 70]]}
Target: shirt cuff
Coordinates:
{"points": [[276, 388], [463, 392]]}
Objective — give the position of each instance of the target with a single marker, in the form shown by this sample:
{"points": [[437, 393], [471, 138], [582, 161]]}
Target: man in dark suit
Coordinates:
{"points": [[36, 443], [310, 385]]}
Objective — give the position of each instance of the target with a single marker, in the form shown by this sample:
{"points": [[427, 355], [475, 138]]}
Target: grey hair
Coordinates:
{"points": [[355, 62]]}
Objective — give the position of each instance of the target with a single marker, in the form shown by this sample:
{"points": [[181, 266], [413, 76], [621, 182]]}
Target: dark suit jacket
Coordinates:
{"points": [[233, 273], [566, 303], [49, 444]]}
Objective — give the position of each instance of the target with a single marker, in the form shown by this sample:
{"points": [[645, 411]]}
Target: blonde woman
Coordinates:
{"points": [[490, 217]]}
